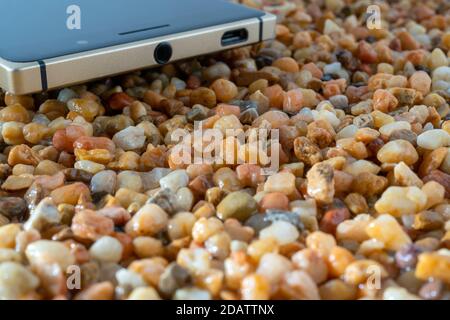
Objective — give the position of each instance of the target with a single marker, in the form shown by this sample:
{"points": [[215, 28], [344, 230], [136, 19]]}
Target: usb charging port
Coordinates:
{"points": [[234, 36]]}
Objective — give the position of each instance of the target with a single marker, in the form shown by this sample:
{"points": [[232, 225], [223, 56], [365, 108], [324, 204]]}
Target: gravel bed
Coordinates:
{"points": [[95, 204]]}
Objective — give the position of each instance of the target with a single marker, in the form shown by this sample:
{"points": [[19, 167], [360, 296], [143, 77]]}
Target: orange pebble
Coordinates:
{"points": [[275, 94], [330, 89], [152, 98], [119, 100], [63, 139], [315, 70], [384, 101], [338, 260], [293, 101], [286, 64], [249, 174], [274, 200], [227, 109], [225, 90], [208, 123], [366, 53], [91, 143], [407, 40], [302, 40]]}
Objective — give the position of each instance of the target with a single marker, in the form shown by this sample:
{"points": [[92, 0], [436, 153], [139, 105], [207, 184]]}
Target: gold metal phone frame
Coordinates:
{"points": [[25, 78]]}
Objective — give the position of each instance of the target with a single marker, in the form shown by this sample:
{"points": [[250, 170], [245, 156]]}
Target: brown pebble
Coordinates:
{"points": [[70, 193], [275, 201]]}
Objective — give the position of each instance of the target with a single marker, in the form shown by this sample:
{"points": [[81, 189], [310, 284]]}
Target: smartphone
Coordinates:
{"points": [[56, 43]]}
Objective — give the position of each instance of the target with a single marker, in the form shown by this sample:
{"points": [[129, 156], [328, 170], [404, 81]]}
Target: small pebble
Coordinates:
{"points": [[434, 139], [106, 249], [45, 214], [387, 230], [104, 181], [175, 180], [89, 166], [130, 138], [49, 252], [353, 175], [398, 201], [283, 182], [12, 207], [148, 221], [239, 205], [16, 281], [434, 265], [396, 151], [282, 231], [320, 182]]}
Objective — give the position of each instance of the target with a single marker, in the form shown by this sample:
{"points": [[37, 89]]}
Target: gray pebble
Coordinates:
{"points": [[45, 214], [165, 199], [13, 207], [66, 95], [216, 71], [257, 222], [173, 278], [104, 181], [130, 138], [150, 180], [291, 217], [340, 101]]}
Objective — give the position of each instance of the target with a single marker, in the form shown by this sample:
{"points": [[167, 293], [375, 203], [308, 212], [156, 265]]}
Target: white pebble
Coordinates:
{"points": [[441, 85], [347, 132], [107, 249], [273, 267], [195, 259], [175, 180], [191, 294], [421, 112], [49, 252], [399, 201], [433, 139], [185, 199], [9, 255], [89, 166], [236, 246], [331, 27], [332, 68], [360, 166], [141, 293], [387, 129], [283, 231], [128, 278], [328, 116], [394, 293], [130, 180], [15, 281], [441, 73], [130, 138]]}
